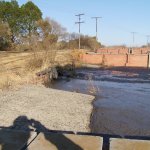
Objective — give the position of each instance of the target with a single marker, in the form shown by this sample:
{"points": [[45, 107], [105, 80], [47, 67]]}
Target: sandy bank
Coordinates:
{"points": [[56, 110]]}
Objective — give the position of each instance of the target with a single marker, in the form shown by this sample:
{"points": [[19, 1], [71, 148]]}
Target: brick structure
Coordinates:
{"points": [[116, 60], [123, 50]]}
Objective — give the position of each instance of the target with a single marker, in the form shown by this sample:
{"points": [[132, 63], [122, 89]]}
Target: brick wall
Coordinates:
{"points": [[122, 50], [116, 60], [137, 60], [91, 58]]}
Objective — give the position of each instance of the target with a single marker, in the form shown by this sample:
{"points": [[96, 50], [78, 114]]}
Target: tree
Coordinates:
{"points": [[57, 29], [44, 30], [88, 42], [10, 13], [5, 36], [73, 36], [21, 20], [30, 13]]}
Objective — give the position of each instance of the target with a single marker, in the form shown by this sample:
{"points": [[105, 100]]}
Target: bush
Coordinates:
{"points": [[5, 36], [41, 60], [34, 63], [87, 42]]}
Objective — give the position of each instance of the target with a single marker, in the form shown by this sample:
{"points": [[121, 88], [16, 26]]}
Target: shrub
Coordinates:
{"points": [[5, 36], [34, 63]]}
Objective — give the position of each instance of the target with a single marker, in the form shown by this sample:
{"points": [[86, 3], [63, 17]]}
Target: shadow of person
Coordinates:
{"points": [[59, 140], [11, 138]]}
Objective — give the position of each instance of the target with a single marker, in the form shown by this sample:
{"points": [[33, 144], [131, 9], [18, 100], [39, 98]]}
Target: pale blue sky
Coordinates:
{"points": [[120, 17]]}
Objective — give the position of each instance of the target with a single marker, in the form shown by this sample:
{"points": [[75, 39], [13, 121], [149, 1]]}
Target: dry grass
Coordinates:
{"points": [[34, 63], [20, 68], [14, 80], [7, 81], [76, 57], [92, 88], [10, 69], [41, 61], [13, 72]]}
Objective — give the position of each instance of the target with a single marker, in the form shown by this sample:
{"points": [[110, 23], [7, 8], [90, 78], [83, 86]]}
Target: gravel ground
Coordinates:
{"points": [[54, 109]]}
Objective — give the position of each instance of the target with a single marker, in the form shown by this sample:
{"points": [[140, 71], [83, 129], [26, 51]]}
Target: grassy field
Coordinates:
{"points": [[15, 66]]}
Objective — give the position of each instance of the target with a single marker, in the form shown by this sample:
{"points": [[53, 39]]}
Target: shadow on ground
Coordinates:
{"points": [[57, 139], [24, 124]]}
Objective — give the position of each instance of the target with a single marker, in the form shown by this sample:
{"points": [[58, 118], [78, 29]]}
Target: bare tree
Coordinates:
{"points": [[74, 36], [57, 29]]}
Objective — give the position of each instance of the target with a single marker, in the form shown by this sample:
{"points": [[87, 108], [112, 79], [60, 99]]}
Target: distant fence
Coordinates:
{"points": [[117, 60]]}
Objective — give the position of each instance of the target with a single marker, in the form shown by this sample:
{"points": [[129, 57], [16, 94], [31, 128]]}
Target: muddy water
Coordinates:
{"points": [[120, 108]]}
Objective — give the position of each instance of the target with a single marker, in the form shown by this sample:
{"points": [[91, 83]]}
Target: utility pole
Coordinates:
{"points": [[79, 22], [133, 34], [147, 36], [96, 19]]}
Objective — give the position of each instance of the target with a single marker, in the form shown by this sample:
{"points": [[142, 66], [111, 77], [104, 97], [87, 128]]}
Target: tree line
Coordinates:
{"points": [[24, 26]]}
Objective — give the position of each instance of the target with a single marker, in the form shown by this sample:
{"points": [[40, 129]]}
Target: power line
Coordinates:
{"points": [[147, 36], [79, 22], [96, 19], [133, 36]]}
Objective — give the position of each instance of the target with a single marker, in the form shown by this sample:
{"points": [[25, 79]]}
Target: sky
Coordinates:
{"points": [[119, 18]]}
